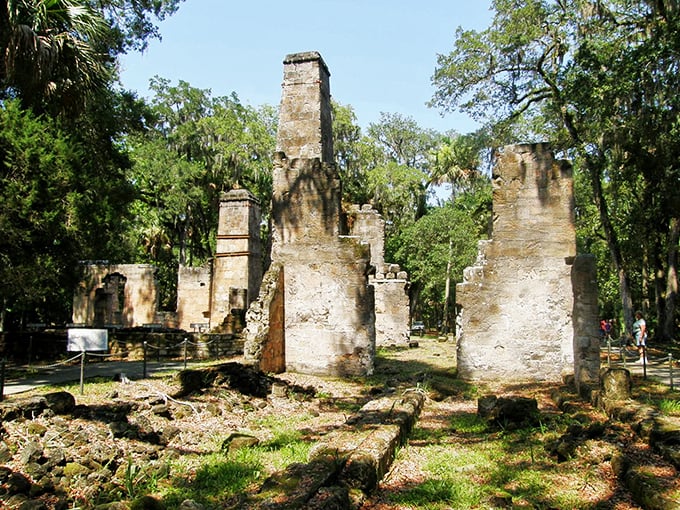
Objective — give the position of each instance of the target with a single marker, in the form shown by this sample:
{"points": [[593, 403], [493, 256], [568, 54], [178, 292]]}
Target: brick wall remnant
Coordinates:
{"points": [[517, 300]]}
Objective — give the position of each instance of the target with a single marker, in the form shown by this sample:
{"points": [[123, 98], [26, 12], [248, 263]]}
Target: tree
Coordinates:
{"points": [[52, 215], [348, 154], [441, 244], [49, 53], [62, 170], [196, 148], [132, 21], [601, 77], [457, 160]]}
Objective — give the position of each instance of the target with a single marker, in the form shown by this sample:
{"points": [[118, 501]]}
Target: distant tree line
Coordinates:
{"points": [[90, 171]]}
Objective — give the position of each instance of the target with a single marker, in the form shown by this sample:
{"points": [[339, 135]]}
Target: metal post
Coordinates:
{"points": [[3, 365], [186, 341], [609, 351], [82, 372], [30, 350], [644, 362], [144, 362], [670, 368]]}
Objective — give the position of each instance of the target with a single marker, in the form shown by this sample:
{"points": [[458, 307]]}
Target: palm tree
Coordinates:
{"points": [[456, 161], [49, 53]]}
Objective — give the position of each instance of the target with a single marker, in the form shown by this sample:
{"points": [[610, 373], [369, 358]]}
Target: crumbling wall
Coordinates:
{"points": [[193, 297], [392, 307], [517, 301], [133, 302], [390, 284], [265, 331], [329, 317], [586, 319]]}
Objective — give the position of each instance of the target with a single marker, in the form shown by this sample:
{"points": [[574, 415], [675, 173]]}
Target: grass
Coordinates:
{"points": [[478, 474], [669, 407], [218, 479], [465, 463]]}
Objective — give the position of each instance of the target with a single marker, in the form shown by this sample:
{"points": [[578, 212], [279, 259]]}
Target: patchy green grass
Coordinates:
{"points": [[670, 407], [219, 479]]}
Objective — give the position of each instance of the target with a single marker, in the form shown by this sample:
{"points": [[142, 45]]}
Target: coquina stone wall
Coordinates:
{"points": [[208, 296], [124, 295], [390, 284], [193, 296], [328, 308], [517, 300], [237, 264]]}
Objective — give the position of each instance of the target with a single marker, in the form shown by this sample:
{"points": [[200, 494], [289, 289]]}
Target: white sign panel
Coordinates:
{"points": [[84, 339]]}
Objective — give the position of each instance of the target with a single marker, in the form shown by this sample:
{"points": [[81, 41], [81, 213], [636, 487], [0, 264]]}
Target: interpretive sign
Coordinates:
{"points": [[85, 339]]}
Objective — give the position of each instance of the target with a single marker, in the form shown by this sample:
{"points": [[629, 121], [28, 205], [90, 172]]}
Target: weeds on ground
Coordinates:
{"points": [[473, 464]]}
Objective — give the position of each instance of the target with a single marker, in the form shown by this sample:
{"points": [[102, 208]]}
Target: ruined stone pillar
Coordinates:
{"points": [[238, 257], [586, 320], [306, 187], [517, 300], [328, 305], [390, 284]]}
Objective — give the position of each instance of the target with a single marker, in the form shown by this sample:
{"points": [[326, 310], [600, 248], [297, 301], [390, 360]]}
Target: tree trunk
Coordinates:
{"points": [[612, 242], [594, 169], [671, 280]]}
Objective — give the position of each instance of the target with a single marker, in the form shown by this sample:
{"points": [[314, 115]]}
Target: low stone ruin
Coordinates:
{"points": [[212, 297], [116, 294], [390, 284]]}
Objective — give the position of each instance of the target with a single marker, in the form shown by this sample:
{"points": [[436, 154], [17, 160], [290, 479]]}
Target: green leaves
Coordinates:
{"points": [[198, 147], [445, 236]]}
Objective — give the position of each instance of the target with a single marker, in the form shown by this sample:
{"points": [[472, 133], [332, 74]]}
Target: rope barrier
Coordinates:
{"points": [[55, 365], [83, 355], [196, 344], [99, 355]]}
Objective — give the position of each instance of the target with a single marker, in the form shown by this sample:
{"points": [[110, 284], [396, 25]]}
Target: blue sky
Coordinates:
{"points": [[381, 53]]}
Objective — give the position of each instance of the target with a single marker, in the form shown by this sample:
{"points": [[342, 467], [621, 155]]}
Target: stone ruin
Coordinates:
{"points": [[316, 310], [529, 304], [213, 297], [390, 284], [115, 294], [326, 300]]}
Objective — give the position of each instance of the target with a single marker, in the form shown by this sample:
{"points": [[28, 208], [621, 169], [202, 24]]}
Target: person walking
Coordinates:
{"points": [[640, 335]]}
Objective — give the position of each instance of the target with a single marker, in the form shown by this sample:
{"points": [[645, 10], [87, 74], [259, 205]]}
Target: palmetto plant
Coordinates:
{"points": [[49, 52]]}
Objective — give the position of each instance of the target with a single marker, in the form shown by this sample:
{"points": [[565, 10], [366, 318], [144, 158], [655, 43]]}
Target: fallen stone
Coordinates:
{"points": [[508, 412], [237, 441], [61, 402], [615, 383]]}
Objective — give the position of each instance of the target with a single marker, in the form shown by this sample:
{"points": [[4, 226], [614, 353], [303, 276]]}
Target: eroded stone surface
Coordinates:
{"points": [[517, 301], [327, 318]]}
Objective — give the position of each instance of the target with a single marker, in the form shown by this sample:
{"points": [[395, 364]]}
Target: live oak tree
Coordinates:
{"points": [[196, 148], [439, 245], [599, 79]]}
